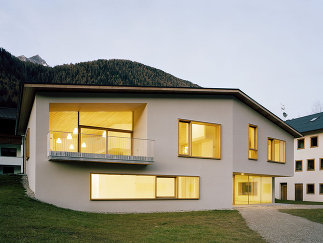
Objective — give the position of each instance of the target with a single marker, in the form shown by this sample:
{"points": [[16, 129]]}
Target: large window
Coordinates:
{"points": [[128, 187], [253, 142], [276, 150], [252, 189], [198, 139]]}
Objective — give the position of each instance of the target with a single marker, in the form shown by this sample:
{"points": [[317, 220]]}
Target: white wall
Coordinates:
{"points": [[305, 177]]}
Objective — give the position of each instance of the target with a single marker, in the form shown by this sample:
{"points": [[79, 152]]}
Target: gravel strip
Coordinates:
{"points": [[275, 226]]}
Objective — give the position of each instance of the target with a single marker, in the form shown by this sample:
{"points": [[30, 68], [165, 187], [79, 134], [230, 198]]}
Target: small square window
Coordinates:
{"points": [[314, 142], [321, 164], [310, 189], [310, 164], [321, 188], [298, 165], [301, 143]]}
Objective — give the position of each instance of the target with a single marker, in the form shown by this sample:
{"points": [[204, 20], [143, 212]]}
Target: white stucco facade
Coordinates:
{"points": [[305, 176]]}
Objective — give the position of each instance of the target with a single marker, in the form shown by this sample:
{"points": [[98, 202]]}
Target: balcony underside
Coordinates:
{"points": [[100, 158]]}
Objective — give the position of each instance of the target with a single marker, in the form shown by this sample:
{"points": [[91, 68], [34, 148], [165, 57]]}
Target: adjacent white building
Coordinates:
{"points": [[307, 182]]}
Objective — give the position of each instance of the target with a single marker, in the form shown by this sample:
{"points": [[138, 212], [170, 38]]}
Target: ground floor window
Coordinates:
{"points": [[249, 189], [132, 187], [310, 189]]}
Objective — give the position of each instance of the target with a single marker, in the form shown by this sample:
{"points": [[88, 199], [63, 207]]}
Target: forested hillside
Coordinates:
{"points": [[116, 72]]}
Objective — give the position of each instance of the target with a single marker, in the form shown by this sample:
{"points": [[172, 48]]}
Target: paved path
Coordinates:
{"points": [[275, 226]]}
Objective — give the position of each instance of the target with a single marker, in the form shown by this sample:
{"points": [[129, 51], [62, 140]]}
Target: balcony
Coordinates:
{"points": [[83, 147]]}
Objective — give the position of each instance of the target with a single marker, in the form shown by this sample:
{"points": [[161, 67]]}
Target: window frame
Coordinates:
{"points": [[175, 187], [296, 166], [256, 141], [313, 163], [273, 161], [148, 199], [317, 141], [321, 163], [297, 143], [190, 149], [313, 188], [320, 192]]}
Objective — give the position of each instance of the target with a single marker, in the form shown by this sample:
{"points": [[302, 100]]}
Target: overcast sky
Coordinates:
{"points": [[271, 50]]}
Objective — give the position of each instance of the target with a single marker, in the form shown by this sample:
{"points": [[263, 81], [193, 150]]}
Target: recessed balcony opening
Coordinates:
{"points": [[114, 133]]}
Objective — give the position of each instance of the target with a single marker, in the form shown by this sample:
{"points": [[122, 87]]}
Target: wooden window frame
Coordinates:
{"points": [[27, 144], [296, 166], [273, 161], [307, 188], [317, 140], [321, 163], [189, 155], [297, 143], [320, 192], [256, 141], [307, 164], [148, 199]]}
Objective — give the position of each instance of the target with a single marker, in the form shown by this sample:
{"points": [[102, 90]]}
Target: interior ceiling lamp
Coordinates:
{"points": [[104, 134], [69, 136], [58, 140], [75, 131], [83, 145], [71, 146]]}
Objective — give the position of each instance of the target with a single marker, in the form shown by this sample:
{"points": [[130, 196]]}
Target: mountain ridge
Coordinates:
{"points": [[34, 59]]}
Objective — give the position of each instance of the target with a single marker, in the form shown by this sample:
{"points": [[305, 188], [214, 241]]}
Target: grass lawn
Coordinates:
{"points": [[298, 202], [27, 220], [315, 215]]}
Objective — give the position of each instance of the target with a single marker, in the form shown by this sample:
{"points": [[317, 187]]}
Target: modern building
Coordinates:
{"points": [[148, 149], [307, 182], [11, 153]]}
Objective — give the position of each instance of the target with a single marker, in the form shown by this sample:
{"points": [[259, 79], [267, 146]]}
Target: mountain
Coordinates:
{"points": [[115, 72], [34, 59]]}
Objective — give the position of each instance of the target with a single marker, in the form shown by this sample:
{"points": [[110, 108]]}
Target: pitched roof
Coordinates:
{"points": [[307, 123], [28, 92]]}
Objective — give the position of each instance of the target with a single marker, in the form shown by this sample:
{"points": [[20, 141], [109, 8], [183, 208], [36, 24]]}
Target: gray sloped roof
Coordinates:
{"points": [[307, 123], [8, 113]]}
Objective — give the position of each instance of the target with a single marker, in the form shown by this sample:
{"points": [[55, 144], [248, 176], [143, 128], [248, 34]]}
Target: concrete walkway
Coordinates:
{"points": [[275, 226]]}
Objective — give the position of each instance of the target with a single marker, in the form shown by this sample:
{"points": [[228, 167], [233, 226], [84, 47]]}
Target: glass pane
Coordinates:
{"points": [[299, 165], [282, 151], [105, 186], [253, 154], [300, 143], [205, 140], [269, 149], [165, 187], [266, 190], [63, 121], [252, 137], [254, 189], [188, 187], [183, 140], [241, 192], [93, 141], [118, 120], [277, 150], [119, 143]]}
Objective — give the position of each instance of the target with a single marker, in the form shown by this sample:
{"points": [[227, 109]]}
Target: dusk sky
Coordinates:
{"points": [[271, 50]]}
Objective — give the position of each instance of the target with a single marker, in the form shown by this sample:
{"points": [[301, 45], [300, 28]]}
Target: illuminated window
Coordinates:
{"points": [[298, 165], [253, 142], [197, 139], [252, 189], [276, 150], [314, 142], [310, 189], [300, 143], [311, 164], [127, 187]]}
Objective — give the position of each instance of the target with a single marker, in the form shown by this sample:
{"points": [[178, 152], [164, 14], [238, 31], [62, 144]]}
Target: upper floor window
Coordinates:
{"points": [[310, 164], [298, 165], [253, 142], [314, 142], [199, 139], [321, 164], [300, 143], [276, 150], [10, 152]]}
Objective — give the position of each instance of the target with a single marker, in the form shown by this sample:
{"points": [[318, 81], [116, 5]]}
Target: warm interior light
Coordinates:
{"points": [[69, 136], [75, 131], [58, 140], [104, 134], [83, 145], [185, 150], [71, 146], [242, 173]]}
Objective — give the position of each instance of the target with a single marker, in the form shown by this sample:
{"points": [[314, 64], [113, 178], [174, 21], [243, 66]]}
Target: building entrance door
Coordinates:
{"points": [[298, 192], [283, 192]]}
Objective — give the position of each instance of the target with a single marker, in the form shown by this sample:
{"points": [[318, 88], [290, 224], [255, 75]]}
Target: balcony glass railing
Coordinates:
{"points": [[69, 144]]}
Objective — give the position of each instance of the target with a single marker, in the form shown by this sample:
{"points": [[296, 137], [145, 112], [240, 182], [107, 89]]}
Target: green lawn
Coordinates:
{"points": [[315, 215], [298, 202], [27, 220]]}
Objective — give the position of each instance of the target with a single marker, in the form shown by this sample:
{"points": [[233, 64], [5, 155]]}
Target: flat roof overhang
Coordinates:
{"points": [[27, 97]]}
